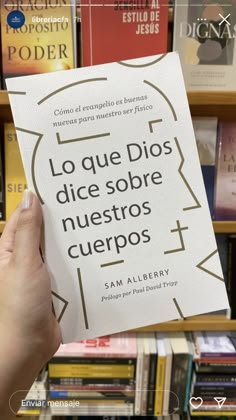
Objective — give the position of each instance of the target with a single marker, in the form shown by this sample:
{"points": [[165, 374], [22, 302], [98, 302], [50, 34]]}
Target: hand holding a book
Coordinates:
{"points": [[29, 332]]}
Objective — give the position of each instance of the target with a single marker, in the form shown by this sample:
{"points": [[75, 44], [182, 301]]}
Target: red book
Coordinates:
{"points": [[114, 30], [122, 345]]}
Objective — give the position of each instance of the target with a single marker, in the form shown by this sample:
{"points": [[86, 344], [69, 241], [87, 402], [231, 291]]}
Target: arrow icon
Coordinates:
{"points": [[220, 401]]}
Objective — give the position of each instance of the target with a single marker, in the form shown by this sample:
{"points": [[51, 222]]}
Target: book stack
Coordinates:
{"points": [[35, 400], [99, 374], [214, 385]]}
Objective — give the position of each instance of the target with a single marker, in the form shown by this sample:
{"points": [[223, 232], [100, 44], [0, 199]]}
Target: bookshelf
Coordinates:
{"points": [[222, 105]]}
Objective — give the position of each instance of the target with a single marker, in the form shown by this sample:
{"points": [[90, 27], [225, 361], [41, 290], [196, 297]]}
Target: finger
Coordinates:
{"points": [[8, 236], [28, 231]]}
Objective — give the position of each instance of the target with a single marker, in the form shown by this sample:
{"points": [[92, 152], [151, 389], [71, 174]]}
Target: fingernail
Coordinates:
{"points": [[27, 199]]}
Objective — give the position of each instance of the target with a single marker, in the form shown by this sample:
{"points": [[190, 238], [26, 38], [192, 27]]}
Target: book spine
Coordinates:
{"points": [[15, 181], [229, 393], [205, 407], [99, 387], [139, 375], [160, 385], [79, 394], [216, 368], [188, 383], [151, 384], [93, 360], [218, 360], [145, 385], [178, 382], [219, 355], [216, 384], [91, 381], [232, 274], [215, 378], [89, 371], [213, 413]]}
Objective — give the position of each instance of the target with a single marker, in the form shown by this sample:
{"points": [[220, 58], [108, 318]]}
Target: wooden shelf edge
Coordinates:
{"points": [[4, 100], [224, 227], [219, 227], [196, 323], [212, 98], [195, 98]]}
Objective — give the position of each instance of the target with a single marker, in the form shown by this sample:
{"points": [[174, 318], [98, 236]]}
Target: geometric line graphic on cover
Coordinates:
{"points": [[64, 307], [95, 136], [15, 92], [198, 205], [152, 122], [40, 136], [55, 92], [133, 66], [82, 299], [112, 263], [200, 266], [163, 96], [179, 230], [178, 308]]}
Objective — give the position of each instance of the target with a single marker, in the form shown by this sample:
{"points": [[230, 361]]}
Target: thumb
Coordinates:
{"points": [[28, 231]]}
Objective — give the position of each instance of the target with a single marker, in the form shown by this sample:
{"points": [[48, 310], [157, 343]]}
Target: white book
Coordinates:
{"points": [[110, 152], [168, 372], [139, 375], [146, 365]]}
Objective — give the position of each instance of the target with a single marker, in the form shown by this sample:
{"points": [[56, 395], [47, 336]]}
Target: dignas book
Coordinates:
{"points": [[44, 43], [110, 152], [204, 36]]}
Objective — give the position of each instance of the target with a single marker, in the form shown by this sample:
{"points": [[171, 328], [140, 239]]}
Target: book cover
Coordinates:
{"points": [[225, 172], [204, 36], [15, 181], [115, 31], [125, 210], [44, 43], [122, 345], [205, 130]]}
